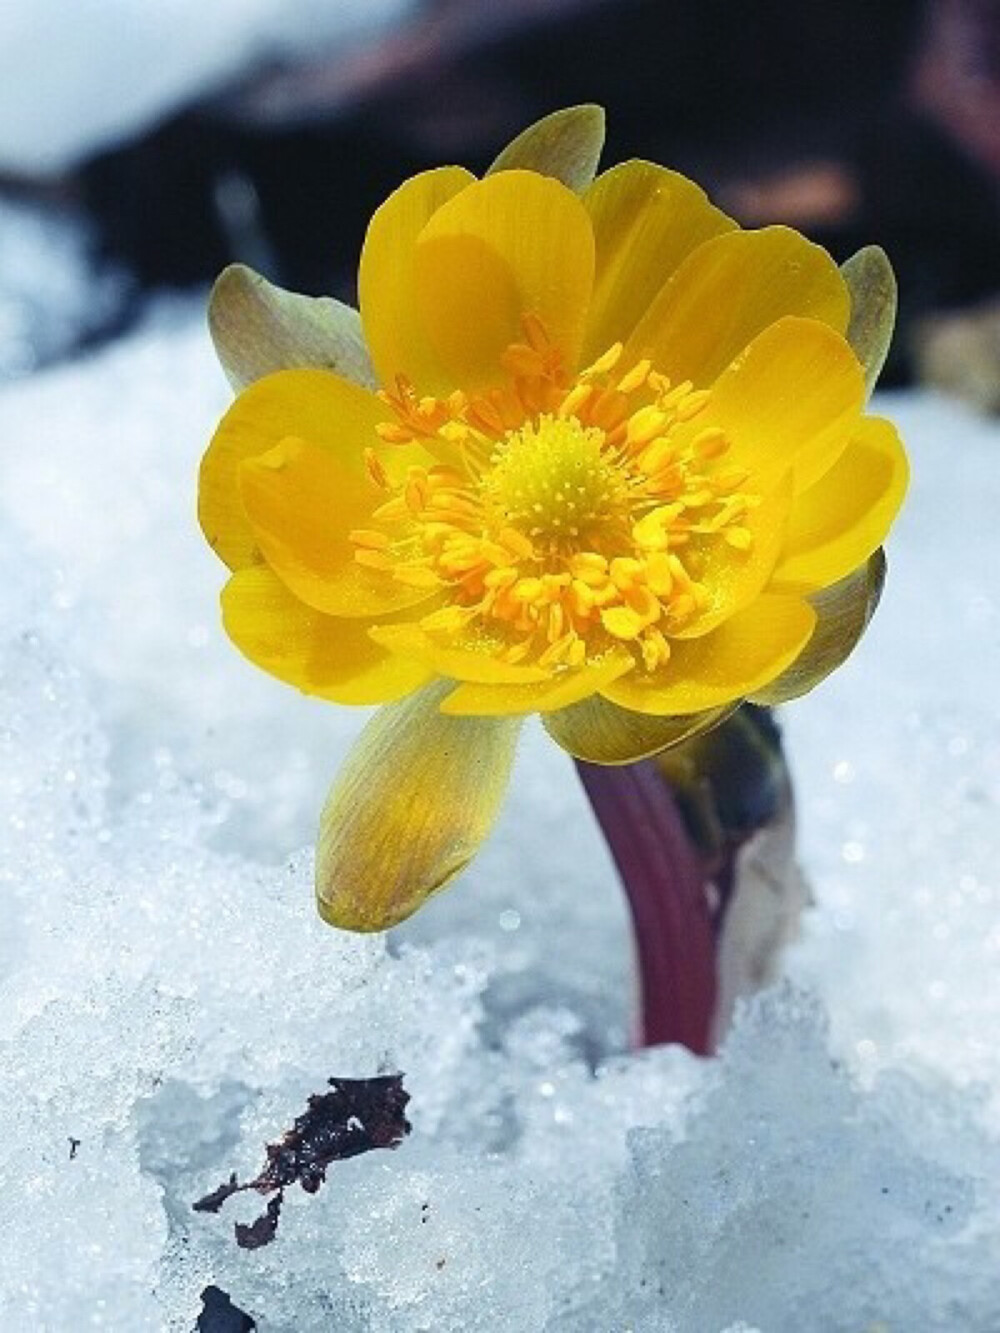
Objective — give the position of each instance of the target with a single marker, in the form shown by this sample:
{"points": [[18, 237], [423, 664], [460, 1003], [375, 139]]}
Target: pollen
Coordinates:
{"points": [[567, 517]]}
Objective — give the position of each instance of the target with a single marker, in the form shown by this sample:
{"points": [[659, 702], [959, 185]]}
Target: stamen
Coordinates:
{"points": [[570, 512], [604, 364], [375, 469], [635, 378]]}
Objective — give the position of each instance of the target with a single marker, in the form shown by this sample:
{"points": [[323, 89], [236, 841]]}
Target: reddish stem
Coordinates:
{"points": [[666, 884]]}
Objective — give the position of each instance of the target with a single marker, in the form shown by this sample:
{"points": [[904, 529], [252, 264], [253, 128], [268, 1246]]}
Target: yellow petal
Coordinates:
{"points": [[727, 292], [836, 524], [568, 687], [258, 328], [387, 283], [311, 404], [566, 144], [303, 502], [793, 396], [460, 659], [746, 652], [872, 287], [409, 810], [322, 655], [646, 220], [513, 244], [843, 612], [734, 578], [602, 733]]}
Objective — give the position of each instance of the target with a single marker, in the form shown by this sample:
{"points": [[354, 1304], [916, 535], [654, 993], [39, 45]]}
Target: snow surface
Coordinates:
{"points": [[168, 997], [79, 76]]}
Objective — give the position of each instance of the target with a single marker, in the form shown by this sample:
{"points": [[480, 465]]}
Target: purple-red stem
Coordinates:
{"points": [[666, 884]]}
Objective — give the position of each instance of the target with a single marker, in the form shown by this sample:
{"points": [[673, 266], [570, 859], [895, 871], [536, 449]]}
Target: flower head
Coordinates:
{"points": [[590, 451]]}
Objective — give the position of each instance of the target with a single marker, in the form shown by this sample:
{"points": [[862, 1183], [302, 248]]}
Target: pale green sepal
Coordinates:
{"points": [[872, 286], [258, 328], [409, 810], [843, 611], [601, 732], [566, 144]]}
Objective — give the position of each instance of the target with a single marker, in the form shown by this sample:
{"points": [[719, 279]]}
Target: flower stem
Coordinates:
{"points": [[666, 881], [676, 825]]}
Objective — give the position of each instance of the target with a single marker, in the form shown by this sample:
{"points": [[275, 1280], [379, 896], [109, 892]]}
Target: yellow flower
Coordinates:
{"points": [[618, 473]]}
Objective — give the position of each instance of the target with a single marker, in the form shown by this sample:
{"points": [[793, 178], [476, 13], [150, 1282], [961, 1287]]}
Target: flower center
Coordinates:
{"points": [[555, 482], [565, 516]]}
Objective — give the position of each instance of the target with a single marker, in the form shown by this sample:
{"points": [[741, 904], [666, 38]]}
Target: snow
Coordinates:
{"points": [[168, 997], [114, 68]]}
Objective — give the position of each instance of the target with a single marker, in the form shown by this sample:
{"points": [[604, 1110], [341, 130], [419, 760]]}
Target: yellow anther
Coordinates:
{"points": [[683, 607], [655, 650], [624, 571], [501, 578], [494, 553], [454, 432], [605, 362], [520, 359], [527, 590], [656, 457], [517, 652], [417, 493], [581, 598], [557, 620], [635, 378], [577, 654], [606, 595], [710, 442], [692, 405], [375, 469], [589, 567], [645, 425], [729, 481], [373, 559], [678, 571], [622, 622], [535, 331], [644, 603], [575, 400], [392, 432], [376, 541], [516, 543], [650, 532], [659, 576], [668, 401], [392, 511], [555, 652], [741, 539]]}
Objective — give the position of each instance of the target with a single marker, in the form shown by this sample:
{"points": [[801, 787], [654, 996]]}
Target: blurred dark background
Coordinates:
{"points": [[854, 121]]}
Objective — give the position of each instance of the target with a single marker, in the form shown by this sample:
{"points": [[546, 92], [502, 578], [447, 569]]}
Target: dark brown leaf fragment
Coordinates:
{"points": [[357, 1116], [211, 1203], [264, 1230]]}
